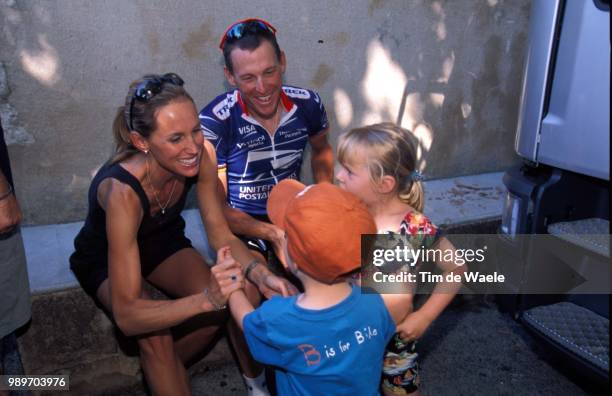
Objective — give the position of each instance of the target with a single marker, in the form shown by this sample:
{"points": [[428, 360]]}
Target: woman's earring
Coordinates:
{"points": [[146, 152]]}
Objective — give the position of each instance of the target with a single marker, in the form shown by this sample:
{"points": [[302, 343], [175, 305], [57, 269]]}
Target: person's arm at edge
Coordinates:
{"points": [[10, 212], [322, 157]]}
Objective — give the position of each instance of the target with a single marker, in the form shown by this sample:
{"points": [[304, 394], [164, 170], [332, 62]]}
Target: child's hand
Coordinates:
{"points": [[227, 273], [413, 326]]}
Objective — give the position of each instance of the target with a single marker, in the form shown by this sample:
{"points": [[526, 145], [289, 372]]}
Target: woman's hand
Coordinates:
{"points": [[413, 326], [227, 275]]}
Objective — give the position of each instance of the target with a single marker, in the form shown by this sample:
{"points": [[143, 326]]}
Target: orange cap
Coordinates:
{"points": [[324, 225]]}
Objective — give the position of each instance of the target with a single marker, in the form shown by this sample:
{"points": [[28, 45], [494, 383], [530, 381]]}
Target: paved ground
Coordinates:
{"points": [[473, 348]]}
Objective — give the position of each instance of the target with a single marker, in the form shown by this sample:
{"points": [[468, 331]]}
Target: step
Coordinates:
{"points": [[591, 234], [69, 335], [575, 330]]}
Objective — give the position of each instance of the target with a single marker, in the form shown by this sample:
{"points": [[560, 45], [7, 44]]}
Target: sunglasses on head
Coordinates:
{"points": [[240, 28], [149, 87]]}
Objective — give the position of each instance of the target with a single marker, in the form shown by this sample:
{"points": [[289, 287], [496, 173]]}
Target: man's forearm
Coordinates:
{"points": [[242, 223], [322, 163]]}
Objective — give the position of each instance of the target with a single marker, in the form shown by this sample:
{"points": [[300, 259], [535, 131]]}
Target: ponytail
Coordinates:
{"points": [[121, 134], [413, 195]]}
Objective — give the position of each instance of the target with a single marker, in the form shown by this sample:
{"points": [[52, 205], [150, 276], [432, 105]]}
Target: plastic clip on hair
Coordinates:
{"points": [[416, 176]]}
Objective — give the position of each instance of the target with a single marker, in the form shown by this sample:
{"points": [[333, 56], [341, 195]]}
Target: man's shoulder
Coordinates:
{"points": [[219, 109], [301, 94]]}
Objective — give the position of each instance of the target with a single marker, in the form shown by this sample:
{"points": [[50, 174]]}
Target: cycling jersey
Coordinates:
{"points": [[255, 161]]}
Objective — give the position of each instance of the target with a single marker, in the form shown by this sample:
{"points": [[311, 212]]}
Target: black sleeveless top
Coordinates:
{"points": [[157, 237]]}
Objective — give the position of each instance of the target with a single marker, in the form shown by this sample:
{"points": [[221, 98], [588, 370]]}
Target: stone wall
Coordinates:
{"points": [[448, 70]]}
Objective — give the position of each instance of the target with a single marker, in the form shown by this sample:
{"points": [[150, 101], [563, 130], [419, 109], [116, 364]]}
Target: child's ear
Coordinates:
{"points": [[387, 184]]}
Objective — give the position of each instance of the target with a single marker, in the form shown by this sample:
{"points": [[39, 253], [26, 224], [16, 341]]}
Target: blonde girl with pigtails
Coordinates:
{"points": [[378, 163]]}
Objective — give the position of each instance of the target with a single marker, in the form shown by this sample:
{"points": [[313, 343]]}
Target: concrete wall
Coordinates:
{"points": [[448, 70]]}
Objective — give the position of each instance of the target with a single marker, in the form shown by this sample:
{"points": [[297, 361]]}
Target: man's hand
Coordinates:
{"points": [[413, 326], [279, 241], [274, 285], [227, 275], [271, 285]]}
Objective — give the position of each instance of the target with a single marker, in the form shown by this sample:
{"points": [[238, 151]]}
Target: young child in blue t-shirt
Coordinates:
{"points": [[329, 340]]}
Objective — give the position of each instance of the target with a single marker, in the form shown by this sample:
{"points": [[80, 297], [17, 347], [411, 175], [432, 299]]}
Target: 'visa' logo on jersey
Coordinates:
{"points": [[246, 129]]}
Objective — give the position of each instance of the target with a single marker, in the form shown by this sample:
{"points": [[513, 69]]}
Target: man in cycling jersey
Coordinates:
{"points": [[260, 131]]}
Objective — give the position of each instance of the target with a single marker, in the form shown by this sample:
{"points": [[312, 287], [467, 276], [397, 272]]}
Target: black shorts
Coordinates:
{"points": [[91, 271], [261, 245], [267, 251]]}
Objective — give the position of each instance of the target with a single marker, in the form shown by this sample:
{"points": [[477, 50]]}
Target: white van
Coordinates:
{"points": [[561, 191]]}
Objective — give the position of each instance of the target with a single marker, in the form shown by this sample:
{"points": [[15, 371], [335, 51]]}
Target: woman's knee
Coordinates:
{"points": [[183, 274], [158, 348]]}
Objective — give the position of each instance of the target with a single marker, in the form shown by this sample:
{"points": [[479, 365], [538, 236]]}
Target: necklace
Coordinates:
{"points": [[163, 207]]}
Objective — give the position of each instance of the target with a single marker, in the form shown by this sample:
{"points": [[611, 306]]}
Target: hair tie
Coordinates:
{"points": [[416, 176]]}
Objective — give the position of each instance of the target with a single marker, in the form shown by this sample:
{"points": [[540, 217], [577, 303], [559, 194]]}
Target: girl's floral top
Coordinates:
{"points": [[420, 231], [416, 232]]}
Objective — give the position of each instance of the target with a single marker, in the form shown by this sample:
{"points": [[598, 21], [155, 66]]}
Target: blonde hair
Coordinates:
{"points": [[390, 150]]}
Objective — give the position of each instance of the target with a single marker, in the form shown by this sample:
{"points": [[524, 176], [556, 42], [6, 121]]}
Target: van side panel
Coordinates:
{"points": [[575, 132], [542, 25]]}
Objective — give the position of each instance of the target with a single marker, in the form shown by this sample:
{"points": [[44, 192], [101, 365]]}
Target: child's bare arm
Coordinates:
{"points": [[415, 324], [399, 305], [240, 306]]}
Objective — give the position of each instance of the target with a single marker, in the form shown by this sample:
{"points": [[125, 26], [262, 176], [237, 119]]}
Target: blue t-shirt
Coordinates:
{"points": [[334, 351], [254, 161]]}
